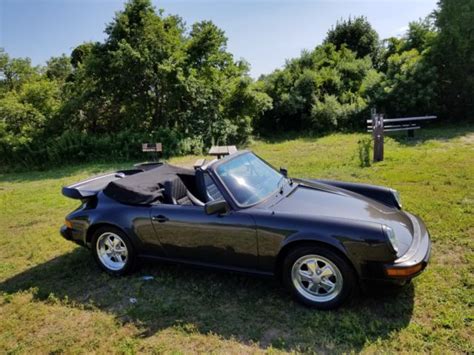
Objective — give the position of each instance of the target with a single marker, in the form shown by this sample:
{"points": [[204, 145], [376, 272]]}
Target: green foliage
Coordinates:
{"points": [[356, 34], [150, 72], [409, 85], [364, 147], [59, 68], [322, 90], [74, 147], [154, 74], [27, 104], [453, 53]]}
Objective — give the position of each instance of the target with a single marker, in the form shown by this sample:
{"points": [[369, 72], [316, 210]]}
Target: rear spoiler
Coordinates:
{"points": [[89, 188]]}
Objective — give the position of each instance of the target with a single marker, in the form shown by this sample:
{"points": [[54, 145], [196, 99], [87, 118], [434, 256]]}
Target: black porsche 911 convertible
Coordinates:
{"points": [[321, 238]]}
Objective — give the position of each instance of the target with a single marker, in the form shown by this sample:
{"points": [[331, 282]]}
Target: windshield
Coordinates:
{"points": [[249, 179]]}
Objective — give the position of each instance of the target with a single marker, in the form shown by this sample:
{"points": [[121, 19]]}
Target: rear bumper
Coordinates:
{"points": [[71, 235]]}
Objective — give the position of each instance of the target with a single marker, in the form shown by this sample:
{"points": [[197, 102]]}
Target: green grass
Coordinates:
{"points": [[54, 299]]}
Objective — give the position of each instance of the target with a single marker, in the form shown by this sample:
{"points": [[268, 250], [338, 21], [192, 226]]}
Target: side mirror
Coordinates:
{"points": [[217, 207], [284, 171]]}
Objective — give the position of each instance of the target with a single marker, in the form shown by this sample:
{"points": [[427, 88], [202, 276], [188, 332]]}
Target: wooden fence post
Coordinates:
{"points": [[377, 129]]}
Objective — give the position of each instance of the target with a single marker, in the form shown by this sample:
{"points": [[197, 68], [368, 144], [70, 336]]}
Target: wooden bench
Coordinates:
{"points": [[155, 148], [408, 124], [222, 150], [378, 127]]}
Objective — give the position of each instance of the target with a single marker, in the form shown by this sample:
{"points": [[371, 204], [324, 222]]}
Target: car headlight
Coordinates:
{"points": [[397, 197], [391, 237]]}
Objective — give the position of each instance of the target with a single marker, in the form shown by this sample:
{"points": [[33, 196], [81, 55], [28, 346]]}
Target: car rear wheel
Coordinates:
{"points": [[113, 251], [318, 277]]}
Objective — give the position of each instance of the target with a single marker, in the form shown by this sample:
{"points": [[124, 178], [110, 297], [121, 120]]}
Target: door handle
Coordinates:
{"points": [[160, 218]]}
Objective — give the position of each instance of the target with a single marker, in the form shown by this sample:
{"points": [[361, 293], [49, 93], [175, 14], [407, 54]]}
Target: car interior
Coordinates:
{"points": [[165, 184], [194, 189]]}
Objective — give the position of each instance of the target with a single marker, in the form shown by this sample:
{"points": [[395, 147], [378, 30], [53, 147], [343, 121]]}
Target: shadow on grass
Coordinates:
{"points": [[429, 131], [247, 309], [432, 132]]}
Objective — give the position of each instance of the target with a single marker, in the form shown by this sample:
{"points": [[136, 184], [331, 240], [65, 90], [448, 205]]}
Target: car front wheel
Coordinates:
{"points": [[318, 277], [113, 251]]}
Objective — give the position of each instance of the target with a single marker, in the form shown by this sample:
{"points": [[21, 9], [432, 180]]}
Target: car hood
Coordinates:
{"points": [[323, 200]]}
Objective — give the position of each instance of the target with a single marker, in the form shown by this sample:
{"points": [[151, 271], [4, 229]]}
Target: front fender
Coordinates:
{"points": [[307, 237]]}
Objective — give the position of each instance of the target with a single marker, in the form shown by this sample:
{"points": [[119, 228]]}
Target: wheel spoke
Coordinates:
{"points": [[326, 271], [304, 275], [108, 242], [312, 287], [328, 285], [312, 266], [115, 242]]}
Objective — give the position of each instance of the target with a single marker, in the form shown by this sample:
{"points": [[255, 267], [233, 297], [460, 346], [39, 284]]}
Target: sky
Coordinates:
{"points": [[265, 33]]}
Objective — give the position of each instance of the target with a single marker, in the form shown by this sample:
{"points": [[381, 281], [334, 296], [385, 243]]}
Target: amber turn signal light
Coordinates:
{"points": [[68, 224], [406, 271]]}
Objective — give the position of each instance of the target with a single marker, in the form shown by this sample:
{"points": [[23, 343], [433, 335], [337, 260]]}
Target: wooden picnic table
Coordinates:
{"points": [[222, 150]]}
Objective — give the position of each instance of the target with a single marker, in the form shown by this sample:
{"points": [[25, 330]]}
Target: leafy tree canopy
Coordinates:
{"points": [[356, 34]]}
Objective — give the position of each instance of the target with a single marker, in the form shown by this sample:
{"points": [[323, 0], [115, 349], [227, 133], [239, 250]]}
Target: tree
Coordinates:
{"points": [[453, 53], [151, 72], [322, 90], [28, 100], [409, 85], [356, 34], [58, 68]]}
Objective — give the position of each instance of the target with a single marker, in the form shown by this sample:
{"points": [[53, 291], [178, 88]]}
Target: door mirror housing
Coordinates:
{"points": [[220, 207], [284, 171]]}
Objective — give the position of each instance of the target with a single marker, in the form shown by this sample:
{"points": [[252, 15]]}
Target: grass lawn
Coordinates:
{"points": [[54, 299]]}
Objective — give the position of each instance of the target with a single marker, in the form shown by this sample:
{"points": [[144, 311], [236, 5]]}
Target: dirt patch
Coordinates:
{"points": [[468, 138]]}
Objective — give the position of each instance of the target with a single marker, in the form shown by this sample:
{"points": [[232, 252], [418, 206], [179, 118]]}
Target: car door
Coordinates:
{"points": [[186, 232]]}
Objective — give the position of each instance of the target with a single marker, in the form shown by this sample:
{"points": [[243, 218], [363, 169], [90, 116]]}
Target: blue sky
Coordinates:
{"points": [[265, 33]]}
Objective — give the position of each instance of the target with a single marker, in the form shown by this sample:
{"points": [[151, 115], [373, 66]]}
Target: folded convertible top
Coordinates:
{"points": [[145, 187]]}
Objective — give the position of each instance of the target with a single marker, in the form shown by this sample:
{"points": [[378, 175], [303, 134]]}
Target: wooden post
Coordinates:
{"points": [[377, 129]]}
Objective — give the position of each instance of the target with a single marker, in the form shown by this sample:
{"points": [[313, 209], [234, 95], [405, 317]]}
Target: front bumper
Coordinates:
{"points": [[406, 266], [416, 258]]}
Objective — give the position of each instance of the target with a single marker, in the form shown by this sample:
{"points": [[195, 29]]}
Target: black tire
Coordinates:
{"points": [[343, 272], [130, 259]]}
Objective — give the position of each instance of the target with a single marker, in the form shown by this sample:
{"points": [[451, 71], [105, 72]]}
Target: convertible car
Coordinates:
{"points": [[322, 239]]}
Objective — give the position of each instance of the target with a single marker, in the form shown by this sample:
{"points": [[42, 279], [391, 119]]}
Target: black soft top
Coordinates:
{"points": [[146, 187]]}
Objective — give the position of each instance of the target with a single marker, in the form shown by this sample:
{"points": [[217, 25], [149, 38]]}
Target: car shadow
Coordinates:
{"points": [[239, 307]]}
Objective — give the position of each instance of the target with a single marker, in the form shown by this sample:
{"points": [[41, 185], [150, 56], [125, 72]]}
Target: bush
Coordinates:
{"points": [[78, 147], [365, 146]]}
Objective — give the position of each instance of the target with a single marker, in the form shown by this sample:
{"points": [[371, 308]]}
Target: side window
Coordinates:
{"points": [[212, 192]]}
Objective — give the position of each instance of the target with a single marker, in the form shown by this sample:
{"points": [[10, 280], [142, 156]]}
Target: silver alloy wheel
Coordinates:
{"points": [[316, 278], [112, 251]]}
